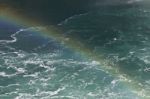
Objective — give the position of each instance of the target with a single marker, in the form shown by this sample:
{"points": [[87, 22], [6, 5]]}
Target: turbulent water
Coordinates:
{"points": [[33, 66]]}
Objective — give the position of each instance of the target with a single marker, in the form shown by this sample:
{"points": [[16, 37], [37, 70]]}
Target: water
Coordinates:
{"points": [[33, 66]]}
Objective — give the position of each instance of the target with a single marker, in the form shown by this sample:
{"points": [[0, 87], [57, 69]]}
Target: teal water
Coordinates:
{"points": [[33, 66]]}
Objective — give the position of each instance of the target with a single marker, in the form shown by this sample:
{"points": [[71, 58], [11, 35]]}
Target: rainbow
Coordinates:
{"points": [[12, 17]]}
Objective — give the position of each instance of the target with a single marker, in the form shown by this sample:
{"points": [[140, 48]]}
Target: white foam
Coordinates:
{"points": [[25, 96], [70, 18], [14, 38], [147, 69], [116, 2], [21, 70], [49, 93], [3, 74], [133, 1]]}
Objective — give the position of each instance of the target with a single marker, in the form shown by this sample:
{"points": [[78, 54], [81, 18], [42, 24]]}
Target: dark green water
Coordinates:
{"points": [[33, 66]]}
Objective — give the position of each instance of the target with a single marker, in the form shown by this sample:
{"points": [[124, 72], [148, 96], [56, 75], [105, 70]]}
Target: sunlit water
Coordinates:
{"points": [[33, 66]]}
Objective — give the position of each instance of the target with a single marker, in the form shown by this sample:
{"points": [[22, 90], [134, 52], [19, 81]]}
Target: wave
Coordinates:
{"points": [[70, 18], [116, 2], [14, 38]]}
